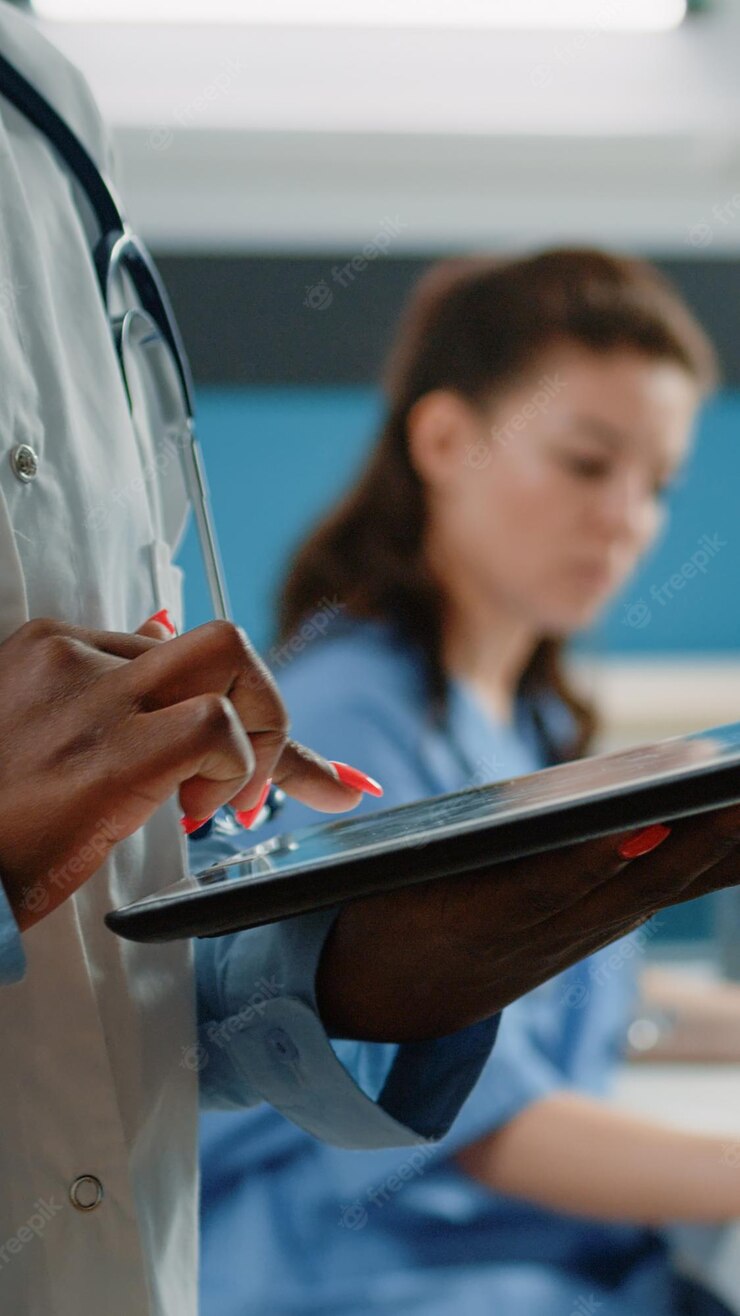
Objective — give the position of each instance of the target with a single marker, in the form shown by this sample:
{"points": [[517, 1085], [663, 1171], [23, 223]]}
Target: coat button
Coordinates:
{"points": [[25, 463], [86, 1192]]}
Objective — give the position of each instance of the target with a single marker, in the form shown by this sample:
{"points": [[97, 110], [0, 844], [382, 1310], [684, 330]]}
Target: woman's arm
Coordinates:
{"points": [[576, 1154], [700, 1020]]}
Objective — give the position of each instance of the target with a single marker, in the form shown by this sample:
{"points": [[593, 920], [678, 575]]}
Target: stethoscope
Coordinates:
{"points": [[147, 331], [150, 329]]}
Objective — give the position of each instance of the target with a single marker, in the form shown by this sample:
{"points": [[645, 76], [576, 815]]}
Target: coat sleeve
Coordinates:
{"points": [[351, 706]]}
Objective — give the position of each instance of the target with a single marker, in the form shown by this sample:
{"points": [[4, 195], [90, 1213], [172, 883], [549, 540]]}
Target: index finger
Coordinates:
{"points": [[218, 659]]}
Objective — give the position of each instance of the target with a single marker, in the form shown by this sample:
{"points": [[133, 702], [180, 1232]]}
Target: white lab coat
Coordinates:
{"points": [[93, 1039], [100, 1072]]}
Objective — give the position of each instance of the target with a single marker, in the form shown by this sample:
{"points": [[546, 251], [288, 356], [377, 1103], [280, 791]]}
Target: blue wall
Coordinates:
{"points": [[277, 457]]}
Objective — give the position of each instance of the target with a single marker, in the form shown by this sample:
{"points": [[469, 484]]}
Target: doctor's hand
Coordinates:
{"points": [[99, 729], [426, 960]]}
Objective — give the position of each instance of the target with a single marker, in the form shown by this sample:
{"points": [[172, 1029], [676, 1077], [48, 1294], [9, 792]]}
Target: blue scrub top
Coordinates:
{"points": [[291, 1226]]}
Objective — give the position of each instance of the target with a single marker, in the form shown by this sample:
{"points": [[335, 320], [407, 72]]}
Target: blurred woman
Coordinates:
{"points": [[538, 412]]}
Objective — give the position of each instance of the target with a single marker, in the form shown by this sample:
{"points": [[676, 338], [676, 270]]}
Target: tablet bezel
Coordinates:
{"points": [[203, 906]]}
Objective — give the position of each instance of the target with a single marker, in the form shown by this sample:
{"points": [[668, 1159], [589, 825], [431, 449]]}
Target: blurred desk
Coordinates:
{"points": [[703, 1099]]}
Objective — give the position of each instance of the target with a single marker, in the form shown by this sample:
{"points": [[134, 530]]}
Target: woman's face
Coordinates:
{"points": [[547, 501]]}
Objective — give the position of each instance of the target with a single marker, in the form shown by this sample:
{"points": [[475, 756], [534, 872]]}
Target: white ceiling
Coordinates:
{"points": [[614, 15], [264, 138]]}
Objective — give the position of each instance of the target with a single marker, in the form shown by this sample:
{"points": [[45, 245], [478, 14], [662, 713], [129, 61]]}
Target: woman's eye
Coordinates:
{"points": [[595, 468], [587, 468]]}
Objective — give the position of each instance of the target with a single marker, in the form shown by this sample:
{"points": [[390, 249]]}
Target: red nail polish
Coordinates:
{"points": [[165, 620], [192, 824], [643, 842], [359, 781], [247, 816]]}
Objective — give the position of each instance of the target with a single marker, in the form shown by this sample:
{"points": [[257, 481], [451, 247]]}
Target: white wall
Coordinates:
{"points": [[264, 138]]}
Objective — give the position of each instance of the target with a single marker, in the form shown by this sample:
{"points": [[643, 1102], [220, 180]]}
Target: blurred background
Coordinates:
{"points": [[296, 165]]}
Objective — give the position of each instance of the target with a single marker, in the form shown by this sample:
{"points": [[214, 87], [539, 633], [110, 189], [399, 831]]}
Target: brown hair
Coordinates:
{"points": [[475, 326]]}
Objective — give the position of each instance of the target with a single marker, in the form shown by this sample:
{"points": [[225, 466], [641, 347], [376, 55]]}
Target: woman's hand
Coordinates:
{"points": [[97, 730], [569, 1152]]}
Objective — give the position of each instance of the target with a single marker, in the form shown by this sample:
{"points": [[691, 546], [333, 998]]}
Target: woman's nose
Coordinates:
{"points": [[623, 507]]}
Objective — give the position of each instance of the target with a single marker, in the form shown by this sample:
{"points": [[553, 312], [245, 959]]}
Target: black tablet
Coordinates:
{"points": [[457, 833]]}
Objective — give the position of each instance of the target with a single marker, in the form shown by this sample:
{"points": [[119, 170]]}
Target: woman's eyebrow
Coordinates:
{"points": [[595, 428]]}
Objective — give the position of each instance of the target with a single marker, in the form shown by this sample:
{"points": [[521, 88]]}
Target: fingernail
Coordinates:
{"points": [[359, 781], [247, 816], [643, 842], [165, 620], [190, 825]]}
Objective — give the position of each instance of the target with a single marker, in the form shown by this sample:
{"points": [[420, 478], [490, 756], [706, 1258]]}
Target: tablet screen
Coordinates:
{"points": [[482, 809]]}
